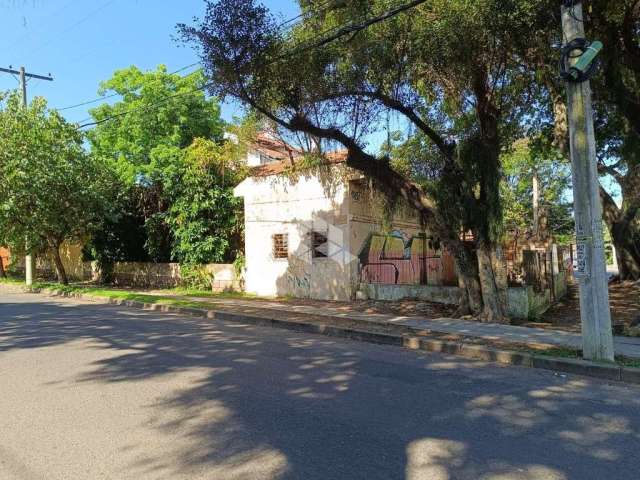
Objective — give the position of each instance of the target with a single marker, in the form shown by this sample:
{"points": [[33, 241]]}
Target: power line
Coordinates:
{"points": [[145, 107], [53, 14], [342, 31], [105, 97], [74, 25], [347, 29], [323, 7]]}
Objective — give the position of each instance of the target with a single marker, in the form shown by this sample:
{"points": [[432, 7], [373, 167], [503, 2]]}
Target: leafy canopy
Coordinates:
{"points": [[51, 190], [176, 170], [164, 113]]}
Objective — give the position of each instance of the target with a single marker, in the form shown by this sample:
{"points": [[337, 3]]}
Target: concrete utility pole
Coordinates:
{"points": [[597, 338], [536, 203], [29, 260]]}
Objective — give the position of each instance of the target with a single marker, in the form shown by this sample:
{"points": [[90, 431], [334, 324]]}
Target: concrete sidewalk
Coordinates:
{"points": [[627, 346]]}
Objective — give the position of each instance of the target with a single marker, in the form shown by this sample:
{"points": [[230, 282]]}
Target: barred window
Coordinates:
{"points": [[320, 245], [280, 245]]}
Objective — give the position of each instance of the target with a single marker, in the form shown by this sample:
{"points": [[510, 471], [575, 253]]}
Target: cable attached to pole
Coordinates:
{"points": [[586, 65]]}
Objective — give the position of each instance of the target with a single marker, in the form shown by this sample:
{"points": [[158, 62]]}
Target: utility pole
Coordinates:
{"points": [[597, 337], [536, 203], [29, 260]]}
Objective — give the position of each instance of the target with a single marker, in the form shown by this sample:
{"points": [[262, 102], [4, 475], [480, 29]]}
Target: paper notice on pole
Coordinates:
{"points": [[582, 259]]}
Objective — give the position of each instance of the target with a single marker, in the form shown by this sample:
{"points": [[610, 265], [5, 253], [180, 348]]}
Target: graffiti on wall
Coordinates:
{"points": [[399, 258], [297, 278], [298, 283]]}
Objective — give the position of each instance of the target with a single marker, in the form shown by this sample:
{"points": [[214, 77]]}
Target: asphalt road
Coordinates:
{"points": [[91, 391]]}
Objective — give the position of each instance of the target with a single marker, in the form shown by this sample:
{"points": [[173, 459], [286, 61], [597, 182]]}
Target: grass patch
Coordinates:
{"points": [[571, 353], [190, 292], [628, 362], [123, 295], [11, 281]]}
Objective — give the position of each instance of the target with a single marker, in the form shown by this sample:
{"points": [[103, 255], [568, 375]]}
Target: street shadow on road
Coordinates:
{"points": [[278, 404]]}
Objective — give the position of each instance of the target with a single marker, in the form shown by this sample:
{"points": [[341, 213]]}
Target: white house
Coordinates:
{"points": [[314, 233]]}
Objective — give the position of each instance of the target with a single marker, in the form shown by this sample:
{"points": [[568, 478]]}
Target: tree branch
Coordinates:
{"points": [[610, 170], [610, 210], [368, 164], [445, 147]]}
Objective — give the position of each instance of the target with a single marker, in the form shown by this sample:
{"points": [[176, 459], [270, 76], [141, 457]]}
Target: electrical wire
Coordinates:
{"points": [[323, 7], [574, 75], [146, 107], [105, 97], [341, 31], [53, 14], [570, 4], [74, 25]]}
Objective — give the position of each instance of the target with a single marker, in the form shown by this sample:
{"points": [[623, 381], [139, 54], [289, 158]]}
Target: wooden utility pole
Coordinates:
{"points": [[29, 260], [597, 337]]}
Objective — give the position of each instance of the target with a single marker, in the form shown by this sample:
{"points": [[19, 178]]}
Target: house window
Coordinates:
{"points": [[281, 245], [320, 245]]}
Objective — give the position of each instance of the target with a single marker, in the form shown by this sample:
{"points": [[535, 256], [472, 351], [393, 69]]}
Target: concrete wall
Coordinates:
{"points": [[525, 302], [146, 275], [71, 254], [296, 207], [167, 275], [560, 285], [429, 293]]}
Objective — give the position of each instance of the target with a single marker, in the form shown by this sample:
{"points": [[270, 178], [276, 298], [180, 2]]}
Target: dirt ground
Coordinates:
{"points": [[565, 315], [405, 308], [624, 298]]}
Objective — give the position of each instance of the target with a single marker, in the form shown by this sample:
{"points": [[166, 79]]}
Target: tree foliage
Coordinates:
{"points": [[452, 69], [149, 137], [526, 159], [51, 190], [204, 214]]}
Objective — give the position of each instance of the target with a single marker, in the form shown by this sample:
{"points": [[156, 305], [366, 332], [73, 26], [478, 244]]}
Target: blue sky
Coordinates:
{"points": [[82, 42]]}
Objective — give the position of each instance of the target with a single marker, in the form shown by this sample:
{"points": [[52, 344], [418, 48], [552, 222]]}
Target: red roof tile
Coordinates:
{"points": [[276, 168]]}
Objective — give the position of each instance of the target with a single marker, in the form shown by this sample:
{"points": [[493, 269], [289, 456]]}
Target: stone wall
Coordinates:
{"points": [[167, 275]]}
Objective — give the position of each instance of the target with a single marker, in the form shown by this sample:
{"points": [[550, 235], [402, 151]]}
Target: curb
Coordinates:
{"points": [[406, 340]]}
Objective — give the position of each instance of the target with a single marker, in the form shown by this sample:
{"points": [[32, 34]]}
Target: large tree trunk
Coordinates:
{"points": [[3, 274], [471, 293], [60, 271], [485, 153], [627, 244], [492, 285], [625, 235]]}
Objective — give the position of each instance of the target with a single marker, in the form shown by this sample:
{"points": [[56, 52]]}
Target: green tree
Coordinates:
{"points": [[526, 159], [616, 93], [618, 148], [204, 214], [144, 136], [52, 190], [452, 69]]}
